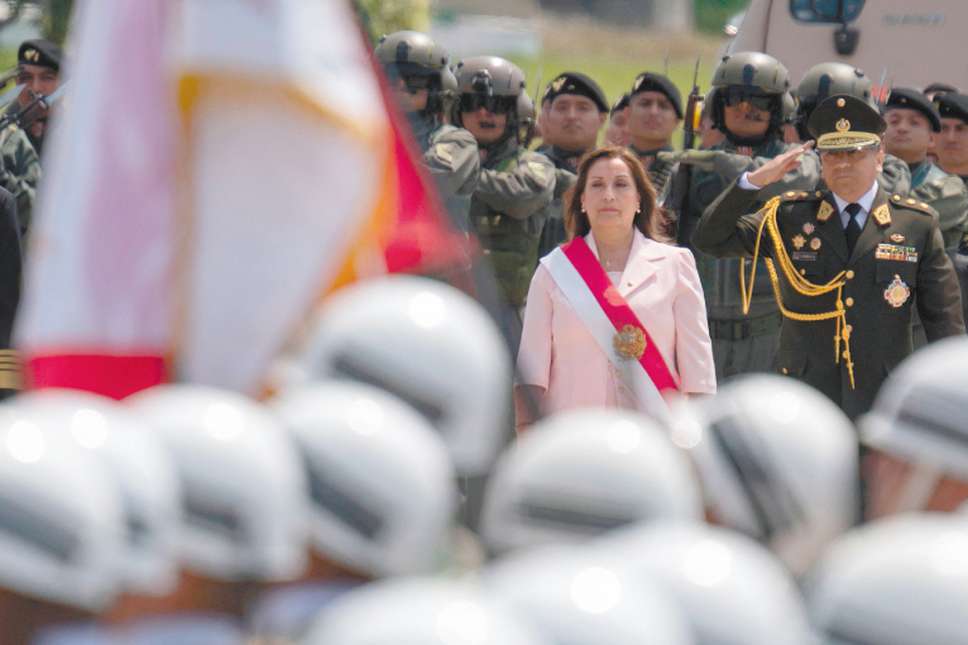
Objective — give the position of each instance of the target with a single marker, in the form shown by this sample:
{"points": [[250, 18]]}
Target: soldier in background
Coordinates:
{"points": [[516, 186], [953, 145], [912, 125], [577, 110], [617, 132], [655, 111], [418, 71]]}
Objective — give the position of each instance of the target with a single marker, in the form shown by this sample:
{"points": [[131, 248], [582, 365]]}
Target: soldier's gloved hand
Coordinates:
{"points": [[773, 170]]}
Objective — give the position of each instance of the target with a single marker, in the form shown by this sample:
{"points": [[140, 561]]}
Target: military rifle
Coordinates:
{"points": [[677, 199], [28, 114]]}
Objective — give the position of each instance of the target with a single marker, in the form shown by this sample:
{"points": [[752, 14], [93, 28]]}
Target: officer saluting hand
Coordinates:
{"points": [[846, 264]]}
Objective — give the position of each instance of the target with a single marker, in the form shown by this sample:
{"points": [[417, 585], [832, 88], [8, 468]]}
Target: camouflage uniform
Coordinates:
{"points": [[20, 172], [659, 167], [508, 211], [566, 165], [944, 193], [450, 155]]}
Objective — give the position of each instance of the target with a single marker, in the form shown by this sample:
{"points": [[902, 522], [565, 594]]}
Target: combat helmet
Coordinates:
{"points": [[754, 72], [827, 79], [419, 61], [490, 82]]}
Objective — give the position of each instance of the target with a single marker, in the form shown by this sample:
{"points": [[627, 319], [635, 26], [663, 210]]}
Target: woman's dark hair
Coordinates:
{"points": [[650, 220]]}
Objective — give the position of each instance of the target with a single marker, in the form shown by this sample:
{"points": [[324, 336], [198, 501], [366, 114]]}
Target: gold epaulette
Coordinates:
{"points": [[801, 195], [11, 377], [914, 204]]}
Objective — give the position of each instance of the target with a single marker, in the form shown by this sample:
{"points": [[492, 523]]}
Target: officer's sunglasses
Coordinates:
{"points": [[416, 83], [736, 95], [493, 104]]}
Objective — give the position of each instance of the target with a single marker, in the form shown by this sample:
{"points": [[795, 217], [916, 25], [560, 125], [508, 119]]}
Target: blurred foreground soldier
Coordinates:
{"points": [[516, 186], [778, 462], [243, 514], [827, 79], [953, 141], [729, 588], [617, 132], [918, 441], [61, 532], [140, 469], [582, 473], [655, 111], [902, 581], [848, 265], [747, 108], [575, 598], [422, 611], [577, 110], [913, 124], [429, 345], [383, 495], [418, 71]]}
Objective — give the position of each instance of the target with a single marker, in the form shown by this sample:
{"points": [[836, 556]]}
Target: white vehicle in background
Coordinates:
{"points": [[910, 44]]}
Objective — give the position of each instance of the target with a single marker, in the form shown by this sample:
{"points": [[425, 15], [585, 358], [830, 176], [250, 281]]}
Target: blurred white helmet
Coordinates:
{"points": [[380, 479], [778, 462], [899, 581], [140, 468], [428, 344], [918, 417], [61, 526], [418, 611], [582, 473], [731, 590], [244, 497], [577, 598]]}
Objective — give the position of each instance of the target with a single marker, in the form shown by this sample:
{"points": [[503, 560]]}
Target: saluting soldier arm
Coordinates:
{"points": [[454, 163], [728, 228], [939, 294], [519, 192]]}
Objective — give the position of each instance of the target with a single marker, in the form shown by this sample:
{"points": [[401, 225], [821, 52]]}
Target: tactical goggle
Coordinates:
{"points": [[493, 104], [737, 95]]}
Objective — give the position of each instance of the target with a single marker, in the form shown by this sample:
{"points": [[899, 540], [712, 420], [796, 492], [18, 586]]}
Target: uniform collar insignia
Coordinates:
{"points": [[882, 215], [826, 210]]}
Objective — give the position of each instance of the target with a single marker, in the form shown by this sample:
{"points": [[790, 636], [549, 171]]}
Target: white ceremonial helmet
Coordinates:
{"points": [[778, 461], [418, 611], [731, 590], [918, 418], [61, 518], [576, 598], [383, 490], [898, 581], [140, 468], [244, 496], [428, 344], [581, 473]]}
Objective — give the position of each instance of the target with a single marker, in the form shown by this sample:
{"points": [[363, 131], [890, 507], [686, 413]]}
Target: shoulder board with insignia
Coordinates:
{"points": [[799, 196], [912, 203]]}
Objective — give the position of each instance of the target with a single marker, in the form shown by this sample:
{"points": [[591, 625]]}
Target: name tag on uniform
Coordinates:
{"points": [[896, 252], [804, 256]]}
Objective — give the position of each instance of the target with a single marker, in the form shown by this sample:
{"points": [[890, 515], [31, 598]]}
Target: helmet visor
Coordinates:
{"points": [[735, 95], [493, 104]]}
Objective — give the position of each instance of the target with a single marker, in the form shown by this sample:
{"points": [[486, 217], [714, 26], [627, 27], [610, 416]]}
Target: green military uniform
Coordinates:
{"points": [[566, 165], [847, 316], [508, 211], [20, 172], [450, 155], [659, 166], [944, 193]]}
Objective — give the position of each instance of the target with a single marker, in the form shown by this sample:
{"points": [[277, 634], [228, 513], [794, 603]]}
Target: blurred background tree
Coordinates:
{"points": [[388, 16]]}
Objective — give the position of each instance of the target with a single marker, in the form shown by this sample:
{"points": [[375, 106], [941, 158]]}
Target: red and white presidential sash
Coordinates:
{"points": [[612, 323]]}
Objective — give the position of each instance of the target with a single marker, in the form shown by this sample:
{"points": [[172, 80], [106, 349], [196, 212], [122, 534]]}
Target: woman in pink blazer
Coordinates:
{"points": [[562, 362]]}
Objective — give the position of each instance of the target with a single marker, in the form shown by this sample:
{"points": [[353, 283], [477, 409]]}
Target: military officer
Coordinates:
{"points": [[655, 111], [826, 79], [577, 110], [912, 125], [418, 70], [516, 186], [953, 145], [847, 264], [747, 108]]}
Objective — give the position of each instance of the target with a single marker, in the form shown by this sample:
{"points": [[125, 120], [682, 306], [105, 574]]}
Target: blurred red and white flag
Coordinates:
{"points": [[219, 166]]}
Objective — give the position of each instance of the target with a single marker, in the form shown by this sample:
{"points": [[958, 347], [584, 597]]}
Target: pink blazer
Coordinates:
{"points": [[662, 286]]}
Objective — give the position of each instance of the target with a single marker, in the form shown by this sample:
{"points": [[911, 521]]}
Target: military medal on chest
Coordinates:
{"points": [[629, 342], [897, 292]]}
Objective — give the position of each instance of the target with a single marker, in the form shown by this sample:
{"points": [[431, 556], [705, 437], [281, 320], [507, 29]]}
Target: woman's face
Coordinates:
{"points": [[610, 198]]}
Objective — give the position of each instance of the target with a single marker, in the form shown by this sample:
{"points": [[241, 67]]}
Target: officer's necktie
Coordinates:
{"points": [[853, 228]]}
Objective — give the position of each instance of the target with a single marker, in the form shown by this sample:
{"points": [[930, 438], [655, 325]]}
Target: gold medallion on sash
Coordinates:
{"points": [[629, 342]]}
